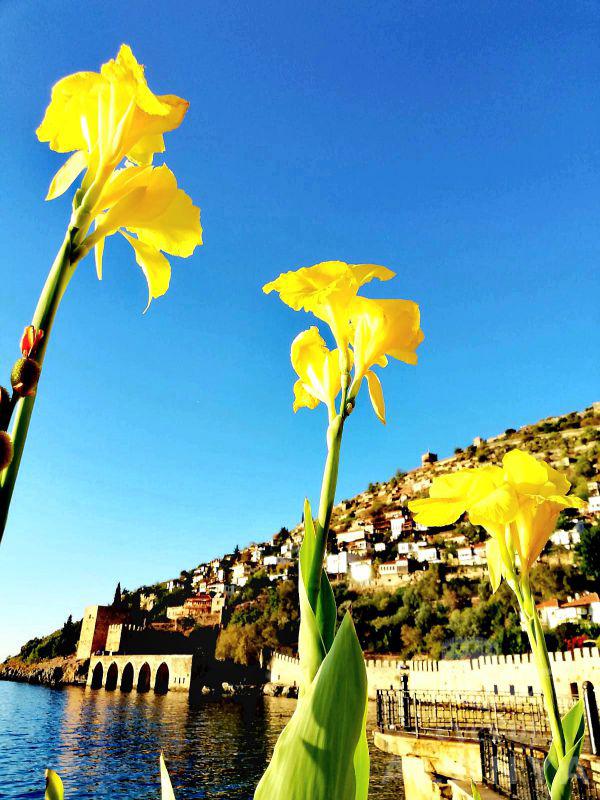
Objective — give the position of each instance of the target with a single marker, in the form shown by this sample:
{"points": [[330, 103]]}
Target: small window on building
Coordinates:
{"points": [[530, 691], [574, 690], [511, 689], [495, 688]]}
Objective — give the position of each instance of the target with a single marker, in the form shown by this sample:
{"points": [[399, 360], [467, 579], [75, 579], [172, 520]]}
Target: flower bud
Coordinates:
{"points": [[6, 450], [24, 376]]}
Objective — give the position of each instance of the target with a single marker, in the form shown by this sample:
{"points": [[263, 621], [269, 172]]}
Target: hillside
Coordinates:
{"points": [[412, 591]]}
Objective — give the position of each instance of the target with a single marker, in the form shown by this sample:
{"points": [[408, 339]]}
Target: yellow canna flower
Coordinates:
{"points": [[105, 117], [326, 289], [366, 331], [147, 202], [518, 504], [318, 369]]}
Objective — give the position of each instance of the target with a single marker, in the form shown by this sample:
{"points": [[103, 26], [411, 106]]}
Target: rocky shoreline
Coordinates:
{"points": [[53, 672]]}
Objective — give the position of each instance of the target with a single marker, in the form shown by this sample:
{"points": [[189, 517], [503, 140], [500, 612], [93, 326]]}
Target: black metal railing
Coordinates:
{"points": [[462, 714], [516, 770]]}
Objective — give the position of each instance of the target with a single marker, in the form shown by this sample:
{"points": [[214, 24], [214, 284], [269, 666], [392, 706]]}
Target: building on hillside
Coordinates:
{"points": [[361, 571], [427, 555], [583, 608], [240, 573], [94, 628], [391, 573], [336, 563], [199, 608], [356, 539], [379, 547], [428, 458], [567, 539], [219, 587], [174, 583], [276, 561], [396, 524], [594, 504]]}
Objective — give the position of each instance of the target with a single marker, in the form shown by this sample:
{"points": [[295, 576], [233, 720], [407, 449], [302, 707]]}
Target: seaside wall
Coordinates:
{"points": [[504, 674]]}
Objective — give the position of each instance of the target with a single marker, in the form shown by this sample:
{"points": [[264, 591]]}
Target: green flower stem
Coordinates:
{"points": [[57, 281], [544, 670], [522, 589], [328, 487]]}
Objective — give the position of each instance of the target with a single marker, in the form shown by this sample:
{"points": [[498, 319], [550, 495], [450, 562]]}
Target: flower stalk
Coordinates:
{"points": [[60, 274]]}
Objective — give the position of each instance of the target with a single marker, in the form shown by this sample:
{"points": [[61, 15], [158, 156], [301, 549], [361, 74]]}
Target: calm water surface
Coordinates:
{"points": [[106, 744]]}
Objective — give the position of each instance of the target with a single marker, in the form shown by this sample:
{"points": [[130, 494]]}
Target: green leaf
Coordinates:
{"points": [[54, 786], [315, 755], [559, 772], [475, 792], [166, 788], [311, 649], [326, 612], [362, 761]]}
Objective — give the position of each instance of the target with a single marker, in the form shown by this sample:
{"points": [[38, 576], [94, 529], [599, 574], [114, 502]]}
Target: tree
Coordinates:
{"points": [[117, 598], [588, 552]]}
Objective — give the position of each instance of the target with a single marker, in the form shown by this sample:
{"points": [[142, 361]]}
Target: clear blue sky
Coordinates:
{"points": [[456, 143]]}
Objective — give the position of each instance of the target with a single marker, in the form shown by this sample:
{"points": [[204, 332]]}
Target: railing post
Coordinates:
{"points": [[530, 777], [591, 713]]}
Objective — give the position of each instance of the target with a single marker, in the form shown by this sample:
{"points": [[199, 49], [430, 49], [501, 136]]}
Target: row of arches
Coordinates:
{"points": [[127, 682]]}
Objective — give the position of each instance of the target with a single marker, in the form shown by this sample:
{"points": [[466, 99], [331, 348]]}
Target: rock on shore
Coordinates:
{"points": [[53, 672]]}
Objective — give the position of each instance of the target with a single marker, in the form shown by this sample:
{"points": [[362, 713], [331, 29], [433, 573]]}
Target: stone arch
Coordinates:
{"points": [[127, 677], [161, 682], [112, 677], [97, 676], [143, 681]]}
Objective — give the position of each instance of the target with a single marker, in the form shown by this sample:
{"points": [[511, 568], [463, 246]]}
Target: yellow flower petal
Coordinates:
{"points": [[65, 176], [436, 512], [494, 562], [302, 397], [148, 202], [154, 265], [98, 253], [384, 327], [499, 507], [376, 395], [317, 367], [73, 110]]}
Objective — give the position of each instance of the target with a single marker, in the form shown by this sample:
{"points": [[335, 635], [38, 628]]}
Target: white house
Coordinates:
{"points": [[240, 573], [396, 526], [465, 556], [566, 539], [379, 547], [338, 563], [218, 587], [361, 571], [427, 554], [585, 608], [594, 504], [174, 583], [391, 572], [276, 561]]}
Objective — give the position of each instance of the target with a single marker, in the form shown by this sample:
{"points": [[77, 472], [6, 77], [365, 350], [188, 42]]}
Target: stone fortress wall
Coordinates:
{"points": [[503, 674]]}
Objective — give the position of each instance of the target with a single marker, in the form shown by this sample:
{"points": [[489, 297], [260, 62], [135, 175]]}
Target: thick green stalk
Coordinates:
{"points": [[544, 670], [56, 283], [328, 487], [522, 590]]}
